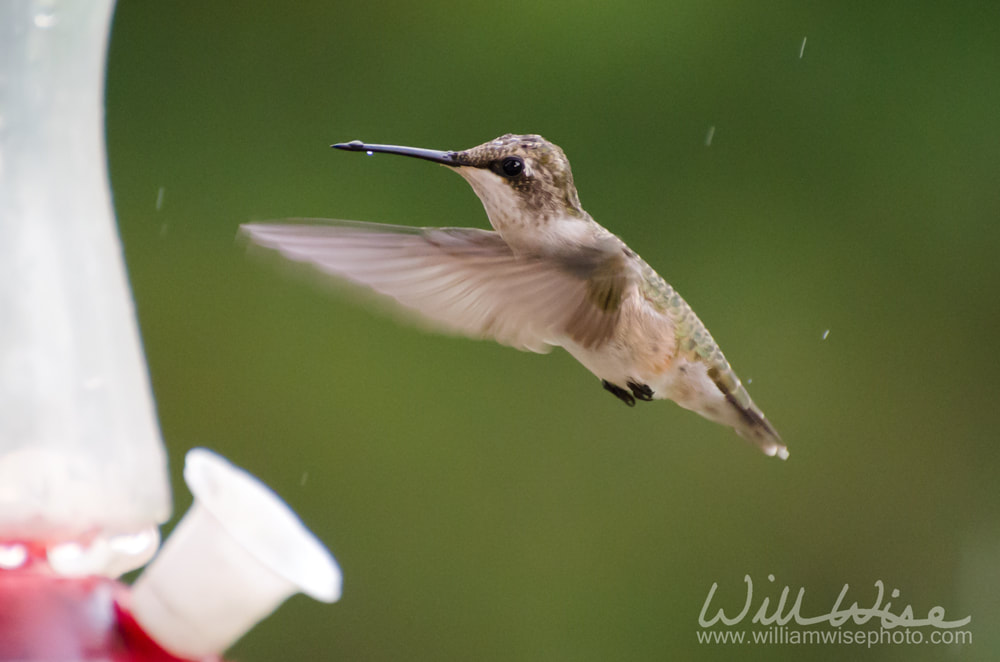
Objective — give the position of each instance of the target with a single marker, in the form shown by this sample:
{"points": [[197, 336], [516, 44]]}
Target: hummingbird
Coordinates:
{"points": [[547, 275]]}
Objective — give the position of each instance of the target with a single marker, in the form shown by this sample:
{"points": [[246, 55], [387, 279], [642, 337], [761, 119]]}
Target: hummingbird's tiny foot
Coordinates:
{"points": [[619, 392], [641, 391]]}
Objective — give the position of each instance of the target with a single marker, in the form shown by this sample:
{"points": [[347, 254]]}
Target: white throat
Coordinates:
{"points": [[524, 229]]}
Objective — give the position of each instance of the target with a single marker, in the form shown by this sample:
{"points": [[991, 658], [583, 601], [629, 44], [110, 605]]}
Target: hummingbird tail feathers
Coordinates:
{"points": [[751, 424], [756, 429]]}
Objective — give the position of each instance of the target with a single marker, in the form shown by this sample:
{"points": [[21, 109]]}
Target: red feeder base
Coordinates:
{"points": [[47, 617]]}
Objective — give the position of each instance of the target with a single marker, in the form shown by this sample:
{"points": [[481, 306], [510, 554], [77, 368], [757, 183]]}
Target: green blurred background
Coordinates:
{"points": [[487, 504]]}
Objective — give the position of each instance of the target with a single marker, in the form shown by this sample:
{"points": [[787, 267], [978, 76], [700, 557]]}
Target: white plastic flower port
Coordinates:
{"points": [[238, 553]]}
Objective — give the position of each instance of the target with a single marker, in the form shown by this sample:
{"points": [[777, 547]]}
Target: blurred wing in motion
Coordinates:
{"points": [[465, 280]]}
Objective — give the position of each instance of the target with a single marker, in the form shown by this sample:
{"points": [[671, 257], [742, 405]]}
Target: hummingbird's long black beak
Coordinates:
{"points": [[446, 158]]}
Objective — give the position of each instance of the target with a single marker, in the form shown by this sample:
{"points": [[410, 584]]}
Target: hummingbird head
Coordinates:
{"points": [[524, 178], [523, 181]]}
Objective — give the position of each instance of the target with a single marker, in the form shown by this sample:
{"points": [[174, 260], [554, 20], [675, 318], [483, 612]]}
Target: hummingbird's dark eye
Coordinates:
{"points": [[512, 166]]}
